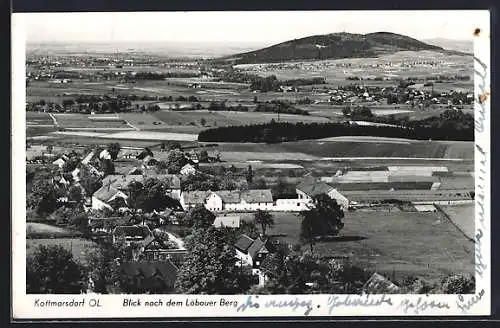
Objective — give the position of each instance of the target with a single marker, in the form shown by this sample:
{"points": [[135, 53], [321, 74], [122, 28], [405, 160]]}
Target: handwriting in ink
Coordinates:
{"points": [[480, 266], [293, 304], [350, 300], [480, 117], [421, 305], [248, 304], [480, 192], [465, 305]]}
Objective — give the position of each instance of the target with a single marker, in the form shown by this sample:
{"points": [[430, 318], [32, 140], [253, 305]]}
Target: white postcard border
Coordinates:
{"points": [[112, 306]]}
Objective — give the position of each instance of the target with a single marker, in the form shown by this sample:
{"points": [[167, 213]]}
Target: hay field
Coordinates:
{"points": [[409, 243]]}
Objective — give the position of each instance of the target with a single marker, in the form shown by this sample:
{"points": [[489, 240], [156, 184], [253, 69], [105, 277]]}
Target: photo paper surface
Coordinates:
{"points": [[184, 165]]}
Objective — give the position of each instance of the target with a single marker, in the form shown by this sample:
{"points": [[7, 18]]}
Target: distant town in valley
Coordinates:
{"points": [[338, 164]]}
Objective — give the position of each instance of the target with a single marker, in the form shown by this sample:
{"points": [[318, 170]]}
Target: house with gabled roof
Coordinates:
{"points": [[60, 161], [250, 252], [309, 188], [188, 169], [103, 197]]}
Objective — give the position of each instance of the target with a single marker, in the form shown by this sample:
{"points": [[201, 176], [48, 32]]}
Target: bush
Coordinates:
{"points": [[458, 284]]}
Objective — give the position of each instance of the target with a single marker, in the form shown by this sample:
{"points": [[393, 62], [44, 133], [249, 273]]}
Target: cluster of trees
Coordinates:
{"points": [[174, 162], [204, 182], [210, 269], [150, 195], [440, 77], [161, 76], [104, 104], [449, 119], [274, 106], [280, 106], [281, 132], [210, 265], [323, 218]]}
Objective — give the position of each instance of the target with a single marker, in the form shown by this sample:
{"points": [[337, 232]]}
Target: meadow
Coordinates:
{"points": [[399, 243]]}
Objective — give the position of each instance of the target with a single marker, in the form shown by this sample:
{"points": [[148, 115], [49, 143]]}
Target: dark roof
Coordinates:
{"points": [[166, 269], [314, 188], [228, 196], [249, 196], [249, 246], [132, 231], [243, 243], [257, 247], [257, 196]]}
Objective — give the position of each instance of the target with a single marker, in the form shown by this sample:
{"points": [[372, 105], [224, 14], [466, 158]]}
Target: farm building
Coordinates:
{"points": [[104, 196], [229, 200], [306, 190], [250, 252], [420, 196]]}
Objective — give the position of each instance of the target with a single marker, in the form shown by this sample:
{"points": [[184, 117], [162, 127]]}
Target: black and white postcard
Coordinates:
{"points": [[251, 164]]}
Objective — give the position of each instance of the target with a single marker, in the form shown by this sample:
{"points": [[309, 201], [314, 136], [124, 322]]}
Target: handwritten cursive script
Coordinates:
{"points": [[480, 115], [421, 304], [465, 305], [354, 300], [293, 304]]}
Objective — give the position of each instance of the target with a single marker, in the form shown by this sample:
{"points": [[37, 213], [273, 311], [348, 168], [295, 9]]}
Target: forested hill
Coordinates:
{"points": [[333, 46]]}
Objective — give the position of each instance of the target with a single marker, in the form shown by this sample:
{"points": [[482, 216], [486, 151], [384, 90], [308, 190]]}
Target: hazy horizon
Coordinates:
{"points": [[245, 27]]}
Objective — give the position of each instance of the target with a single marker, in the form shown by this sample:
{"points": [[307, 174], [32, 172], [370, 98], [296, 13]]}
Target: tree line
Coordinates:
{"points": [[282, 132]]}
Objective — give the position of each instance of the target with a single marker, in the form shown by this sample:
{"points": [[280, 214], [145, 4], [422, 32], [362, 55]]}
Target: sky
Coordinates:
{"points": [[265, 27]]}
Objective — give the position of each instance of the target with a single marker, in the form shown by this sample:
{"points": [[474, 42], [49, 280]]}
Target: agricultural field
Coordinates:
{"points": [[322, 149], [463, 216], [38, 119], [406, 243], [367, 67], [89, 122]]}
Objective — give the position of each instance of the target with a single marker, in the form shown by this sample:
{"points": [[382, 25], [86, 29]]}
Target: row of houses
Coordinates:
{"points": [[260, 199]]}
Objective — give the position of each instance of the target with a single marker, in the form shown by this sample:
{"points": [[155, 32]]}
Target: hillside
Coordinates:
{"points": [[333, 46]]}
